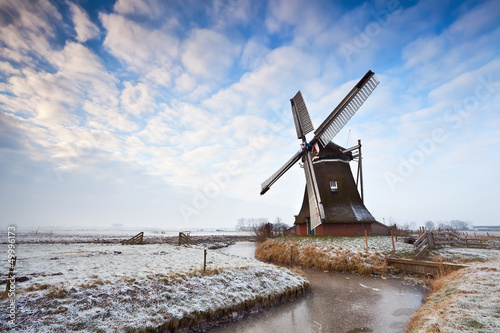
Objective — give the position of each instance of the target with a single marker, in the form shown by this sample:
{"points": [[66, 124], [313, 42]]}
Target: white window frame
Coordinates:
{"points": [[334, 186]]}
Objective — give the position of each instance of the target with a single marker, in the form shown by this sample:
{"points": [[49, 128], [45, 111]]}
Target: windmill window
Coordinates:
{"points": [[334, 186]]}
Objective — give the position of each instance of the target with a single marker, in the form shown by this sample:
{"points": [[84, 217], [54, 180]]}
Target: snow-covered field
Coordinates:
{"points": [[114, 236], [466, 301], [463, 255], [111, 287]]}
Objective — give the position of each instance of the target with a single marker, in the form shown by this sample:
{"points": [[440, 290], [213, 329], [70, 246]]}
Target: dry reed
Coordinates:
{"points": [[325, 257]]}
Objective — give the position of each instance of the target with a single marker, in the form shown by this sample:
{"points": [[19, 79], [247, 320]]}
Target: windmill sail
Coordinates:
{"points": [[324, 134], [317, 213], [271, 180], [303, 123], [346, 109]]}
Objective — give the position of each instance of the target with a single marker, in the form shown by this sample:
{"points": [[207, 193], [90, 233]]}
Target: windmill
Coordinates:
{"points": [[329, 196]]}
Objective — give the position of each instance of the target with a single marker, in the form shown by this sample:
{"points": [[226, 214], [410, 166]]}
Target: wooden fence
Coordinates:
{"points": [[428, 268], [185, 239], [137, 239], [434, 239]]}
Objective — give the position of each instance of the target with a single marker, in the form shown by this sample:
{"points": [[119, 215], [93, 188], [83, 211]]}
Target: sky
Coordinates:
{"points": [[170, 114]]}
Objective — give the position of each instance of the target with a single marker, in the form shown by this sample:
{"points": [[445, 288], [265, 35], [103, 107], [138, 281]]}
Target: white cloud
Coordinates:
{"points": [[7, 69], [232, 12], [150, 8], [185, 82], [254, 53], [205, 155], [208, 54], [85, 29], [477, 20], [435, 59], [268, 88], [148, 51], [137, 99], [422, 50], [30, 29], [305, 20], [160, 129]]}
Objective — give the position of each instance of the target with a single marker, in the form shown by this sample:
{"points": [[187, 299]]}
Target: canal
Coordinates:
{"points": [[336, 302]]}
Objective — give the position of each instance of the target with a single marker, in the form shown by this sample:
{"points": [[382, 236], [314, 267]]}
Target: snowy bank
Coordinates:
{"points": [[464, 301], [96, 287], [342, 254]]}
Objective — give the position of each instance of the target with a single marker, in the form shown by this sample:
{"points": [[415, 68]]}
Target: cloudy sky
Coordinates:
{"points": [[171, 113]]}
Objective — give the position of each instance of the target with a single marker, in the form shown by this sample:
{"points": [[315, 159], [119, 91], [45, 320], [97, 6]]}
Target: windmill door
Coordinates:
{"points": [[310, 232]]}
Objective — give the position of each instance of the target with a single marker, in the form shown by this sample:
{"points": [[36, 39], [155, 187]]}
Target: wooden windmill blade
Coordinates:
{"points": [[316, 210], [266, 185], [346, 109], [303, 123]]}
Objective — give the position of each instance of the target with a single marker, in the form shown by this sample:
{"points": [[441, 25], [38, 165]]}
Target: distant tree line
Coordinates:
{"points": [[261, 227], [453, 225], [458, 225], [254, 222], [250, 223]]}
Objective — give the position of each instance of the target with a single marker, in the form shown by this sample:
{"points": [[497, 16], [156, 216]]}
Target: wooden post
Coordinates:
{"points": [[360, 166], [366, 240], [10, 275], [396, 229], [204, 260], [291, 255], [393, 246], [430, 240]]}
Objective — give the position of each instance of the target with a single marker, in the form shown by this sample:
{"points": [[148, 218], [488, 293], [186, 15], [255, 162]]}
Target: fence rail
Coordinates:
{"points": [[185, 239], [137, 239], [434, 239], [421, 244]]}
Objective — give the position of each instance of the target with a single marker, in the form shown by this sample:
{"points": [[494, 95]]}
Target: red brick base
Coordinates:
{"points": [[333, 229]]}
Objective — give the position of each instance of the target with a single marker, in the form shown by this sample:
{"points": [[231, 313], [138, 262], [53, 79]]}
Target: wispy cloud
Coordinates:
{"points": [[85, 29]]}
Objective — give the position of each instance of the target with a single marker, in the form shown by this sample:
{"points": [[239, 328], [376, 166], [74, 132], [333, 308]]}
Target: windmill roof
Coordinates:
{"points": [[333, 150], [343, 205]]}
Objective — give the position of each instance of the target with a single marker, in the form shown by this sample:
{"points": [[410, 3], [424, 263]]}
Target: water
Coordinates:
{"points": [[337, 302]]}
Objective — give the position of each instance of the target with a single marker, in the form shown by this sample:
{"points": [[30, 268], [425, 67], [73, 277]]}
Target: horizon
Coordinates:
{"points": [[157, 115]]}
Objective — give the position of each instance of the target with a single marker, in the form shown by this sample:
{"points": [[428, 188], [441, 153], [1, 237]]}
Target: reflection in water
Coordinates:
{"points": [[336, 302]]}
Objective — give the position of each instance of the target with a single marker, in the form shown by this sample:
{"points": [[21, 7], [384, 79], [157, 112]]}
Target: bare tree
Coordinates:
{"points": [[459, 225], [429, 225], [241, 224], [262, 231]]}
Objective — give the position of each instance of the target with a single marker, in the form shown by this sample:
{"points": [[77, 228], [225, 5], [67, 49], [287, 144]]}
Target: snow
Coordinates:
{"points": [[361, 212], [466, 254], [376, 244], [113, 287], [106, 236], [468, 301]]}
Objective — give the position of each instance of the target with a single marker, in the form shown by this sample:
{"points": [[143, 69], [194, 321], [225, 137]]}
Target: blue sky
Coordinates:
{"points": [[171, 113]]}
